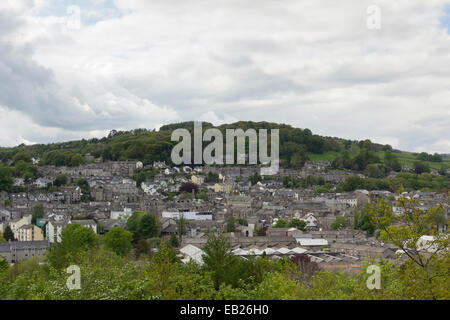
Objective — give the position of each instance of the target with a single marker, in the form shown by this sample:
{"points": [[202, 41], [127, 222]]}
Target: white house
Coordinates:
{"points": [[311, 221]]}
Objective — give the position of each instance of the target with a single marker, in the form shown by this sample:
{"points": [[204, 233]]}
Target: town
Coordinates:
{"points": [[258, 215]]}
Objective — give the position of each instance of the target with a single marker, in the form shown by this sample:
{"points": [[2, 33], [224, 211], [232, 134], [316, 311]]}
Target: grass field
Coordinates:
{"points": [[405, 158], [408, 159]]}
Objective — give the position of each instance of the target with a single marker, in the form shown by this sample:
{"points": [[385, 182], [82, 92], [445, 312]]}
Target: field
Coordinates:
{"points": [[405, 158], [408, 159]]}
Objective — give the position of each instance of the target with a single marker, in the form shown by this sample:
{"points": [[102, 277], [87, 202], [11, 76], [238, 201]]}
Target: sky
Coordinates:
{"points": [[355, 69]]}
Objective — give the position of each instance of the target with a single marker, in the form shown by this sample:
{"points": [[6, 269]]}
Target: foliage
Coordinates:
{"points": [[142, 248], [143, 225], [281, 224], [242, 221], [231, 224], [218, 259], [254, 179], [8, 234], [75, 239], [363, 221], [149, 145], [174, 241], [421, 167], [409, 181], [212, 177], [298, 223], [189, 187], [38, 213], [6, 180], [423, 156], [62, 158], [340, 223], [60, 180], [119, 241], [25, 170], [105, 275], [85, 189], [323, 189], [427, 267]]}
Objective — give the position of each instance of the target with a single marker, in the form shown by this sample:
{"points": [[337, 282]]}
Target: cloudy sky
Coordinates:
{"points": [[77, 69]]}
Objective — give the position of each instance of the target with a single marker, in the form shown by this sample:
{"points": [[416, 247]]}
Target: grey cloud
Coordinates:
{"points": [[290, 62]]}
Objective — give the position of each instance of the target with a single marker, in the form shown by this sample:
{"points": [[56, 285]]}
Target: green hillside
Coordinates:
{"points": [[296, 146]]}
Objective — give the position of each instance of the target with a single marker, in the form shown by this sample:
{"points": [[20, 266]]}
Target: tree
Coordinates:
{"points": [[75, 238], [242, 221], [142, 248], [298, 160], [174, 241], [164, 267], [85, 188], [2, 239], [255, 178], [340, 223], [143, 225], [139, 177], [148, 226], [212, 177], [76, 160], [421, 167], [7, 203], [231, 224], [119, 240], [429, 257], [437, 218], [189, 187], [281, 224], [305, 267], [25, 170], [38, 213], [8, 234], [60, 180], [218, 258], [4, 266], [181, 227], [352, 183], [362, 221], [6, 180], [298, 223], [373, 171], [391, 161], [22, 156]]}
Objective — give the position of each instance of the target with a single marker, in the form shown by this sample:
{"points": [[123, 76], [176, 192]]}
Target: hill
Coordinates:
{"points": [[296, 146]]}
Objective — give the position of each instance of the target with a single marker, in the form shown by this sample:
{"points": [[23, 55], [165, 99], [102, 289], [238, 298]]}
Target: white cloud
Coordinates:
{"points": [[307, 63]]}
